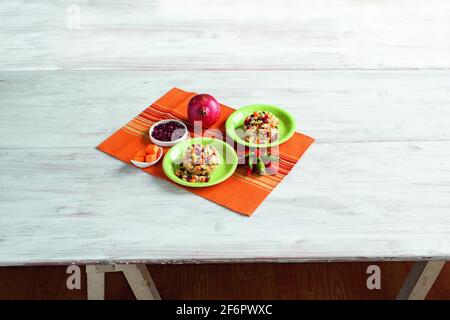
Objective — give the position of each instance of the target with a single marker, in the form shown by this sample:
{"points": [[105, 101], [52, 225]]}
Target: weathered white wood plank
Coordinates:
{"points": [[192, 35], [374, 186], [80, 109], [343, 201]]}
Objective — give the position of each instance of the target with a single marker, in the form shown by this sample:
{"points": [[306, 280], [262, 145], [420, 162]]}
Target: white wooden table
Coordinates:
{"points": [[369, 80]]}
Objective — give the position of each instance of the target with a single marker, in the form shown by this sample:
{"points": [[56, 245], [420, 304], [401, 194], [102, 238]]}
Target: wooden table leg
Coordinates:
{"points": [[137, 275], [420, 280], [95, 283], [140, 281]]}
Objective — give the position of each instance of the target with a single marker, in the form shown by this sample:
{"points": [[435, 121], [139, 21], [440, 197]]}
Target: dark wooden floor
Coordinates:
{"points": [[227, 281]]}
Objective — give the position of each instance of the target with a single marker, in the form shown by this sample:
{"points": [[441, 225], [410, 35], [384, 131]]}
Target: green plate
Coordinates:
{"points": [[235, 121], [228, 161]]}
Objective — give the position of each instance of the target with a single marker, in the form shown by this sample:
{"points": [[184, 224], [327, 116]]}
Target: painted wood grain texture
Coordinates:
{"points": [[343, 201], [374, 186], [231, 35], [350, 197], [80, 109]]}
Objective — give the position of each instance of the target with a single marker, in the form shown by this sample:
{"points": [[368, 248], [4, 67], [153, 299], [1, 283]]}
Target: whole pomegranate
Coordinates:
{"points": [[204, 108]]}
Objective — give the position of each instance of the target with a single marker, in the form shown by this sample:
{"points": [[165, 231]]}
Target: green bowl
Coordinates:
{"points": [[228, 161], [286, 126]]}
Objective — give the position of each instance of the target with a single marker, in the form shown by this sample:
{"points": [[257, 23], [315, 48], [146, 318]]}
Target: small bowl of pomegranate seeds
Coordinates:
{"points": [[167, 133]]}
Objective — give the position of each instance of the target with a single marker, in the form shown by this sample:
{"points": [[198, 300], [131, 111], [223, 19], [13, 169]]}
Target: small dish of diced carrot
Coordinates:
{"points": [[148, 156]]}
